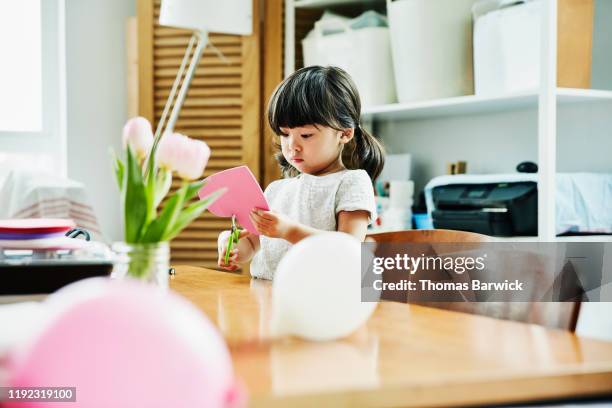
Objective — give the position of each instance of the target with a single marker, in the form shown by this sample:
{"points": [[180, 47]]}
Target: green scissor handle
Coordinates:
{"points": [[233, 239]]}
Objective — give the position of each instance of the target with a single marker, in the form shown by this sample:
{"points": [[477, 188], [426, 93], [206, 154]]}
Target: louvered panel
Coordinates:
{"points": [[227, 153], [196, 102], [221, 109], [205, 92], [229, 80], [181, 41], [198, 253], [217, 144], [204, 123], [202, 223], [221, 164], [185, 243], [207, 232], [209, 172], [205, 72], [214, 133], [199, 234], [209, 60], [209, 216], [206, 113], [226, 49]]}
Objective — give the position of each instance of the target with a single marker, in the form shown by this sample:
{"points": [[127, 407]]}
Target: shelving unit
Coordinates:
{"points": [[473, 104], [329, 3], [459, 105], [544, 101]]}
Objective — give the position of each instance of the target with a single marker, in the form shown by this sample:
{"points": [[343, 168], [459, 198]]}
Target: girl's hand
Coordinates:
{"points": [[271, 224], [234, 255]]}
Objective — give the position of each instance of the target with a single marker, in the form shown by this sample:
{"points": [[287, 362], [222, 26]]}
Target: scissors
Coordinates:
{"points": [[232, 240]]}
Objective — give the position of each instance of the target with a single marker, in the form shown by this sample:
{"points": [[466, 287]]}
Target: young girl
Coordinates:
{"points": [[315, 112]]}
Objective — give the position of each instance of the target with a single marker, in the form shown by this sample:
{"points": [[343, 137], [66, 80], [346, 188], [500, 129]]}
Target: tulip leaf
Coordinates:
{"points": [[150, 178], [162, 185], [134, 199], [190, 213], [157, 228], [193, 189], [119, 168]]}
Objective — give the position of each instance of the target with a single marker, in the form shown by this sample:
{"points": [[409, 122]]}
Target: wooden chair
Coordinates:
{"points": [[551, 314], [429, 236]]}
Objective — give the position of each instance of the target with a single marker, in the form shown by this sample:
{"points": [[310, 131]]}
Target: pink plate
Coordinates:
{"points": [[242, 195], [36, 225]]}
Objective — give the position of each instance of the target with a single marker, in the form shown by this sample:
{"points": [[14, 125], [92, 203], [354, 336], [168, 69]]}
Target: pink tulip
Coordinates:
{"points": [[138, 133], [188, 157]]}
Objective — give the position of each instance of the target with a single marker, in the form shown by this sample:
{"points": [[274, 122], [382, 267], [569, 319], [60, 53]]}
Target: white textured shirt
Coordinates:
{"points": [[314, 201]]}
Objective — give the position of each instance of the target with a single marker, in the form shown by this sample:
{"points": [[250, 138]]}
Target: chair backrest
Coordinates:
{"points": [[562, 315], [429, 236]]}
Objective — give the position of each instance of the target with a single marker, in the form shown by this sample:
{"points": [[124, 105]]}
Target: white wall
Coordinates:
{"points": [[97, 100], [602, 46], [490, 143]]}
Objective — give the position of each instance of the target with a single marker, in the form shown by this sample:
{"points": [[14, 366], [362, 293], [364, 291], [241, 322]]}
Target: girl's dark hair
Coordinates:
{"points": [[324, 96]]}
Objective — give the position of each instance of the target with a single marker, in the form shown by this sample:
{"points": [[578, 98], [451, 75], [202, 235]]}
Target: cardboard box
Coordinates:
{"points": [[574, 43]]}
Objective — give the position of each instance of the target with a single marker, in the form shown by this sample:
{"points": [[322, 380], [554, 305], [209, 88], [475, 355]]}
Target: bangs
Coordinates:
{"points": [[304, 99]]}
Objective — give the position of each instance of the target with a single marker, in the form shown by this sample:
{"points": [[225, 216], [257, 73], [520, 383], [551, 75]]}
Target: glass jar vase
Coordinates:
{"points": [[148, 262]]}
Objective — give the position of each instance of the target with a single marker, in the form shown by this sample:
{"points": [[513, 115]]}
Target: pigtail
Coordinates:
{"points": [[365, 152], [370, 151]]}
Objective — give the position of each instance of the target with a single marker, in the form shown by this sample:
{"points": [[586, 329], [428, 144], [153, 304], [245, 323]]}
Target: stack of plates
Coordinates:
{"points": [[37, 233]]}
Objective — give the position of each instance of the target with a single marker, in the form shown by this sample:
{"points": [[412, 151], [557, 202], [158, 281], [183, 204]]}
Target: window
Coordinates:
{"points": [[21, 72], [32, 80]]}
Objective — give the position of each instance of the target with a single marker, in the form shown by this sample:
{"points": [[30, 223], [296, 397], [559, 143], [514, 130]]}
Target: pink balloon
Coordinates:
{"points": [[125, 344]]}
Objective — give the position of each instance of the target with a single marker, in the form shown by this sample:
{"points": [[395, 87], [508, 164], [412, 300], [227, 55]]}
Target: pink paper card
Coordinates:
{"points": [[242, 195]]}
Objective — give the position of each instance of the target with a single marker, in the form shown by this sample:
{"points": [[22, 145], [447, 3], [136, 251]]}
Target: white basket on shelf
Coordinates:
{"points": [[432, 48], [364, 53]]}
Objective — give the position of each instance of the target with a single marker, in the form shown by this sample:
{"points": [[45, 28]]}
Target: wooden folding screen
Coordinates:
{"points": [[272, 73], [222, 108]]}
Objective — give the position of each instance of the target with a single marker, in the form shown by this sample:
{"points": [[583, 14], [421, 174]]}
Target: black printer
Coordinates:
{"points": [[493, 208]]}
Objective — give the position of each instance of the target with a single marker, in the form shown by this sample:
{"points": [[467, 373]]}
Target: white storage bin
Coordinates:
{"points": [[506, 46], [432, 48], [364, 53]]}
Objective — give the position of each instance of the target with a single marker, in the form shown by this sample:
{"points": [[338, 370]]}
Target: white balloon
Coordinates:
{"points": [[316, 292]]}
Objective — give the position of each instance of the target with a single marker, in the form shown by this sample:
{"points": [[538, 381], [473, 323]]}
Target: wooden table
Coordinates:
{"points": [[405, 355]]}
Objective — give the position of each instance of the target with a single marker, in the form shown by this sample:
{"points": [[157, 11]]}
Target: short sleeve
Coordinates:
{"points": [[355, 192], [272, 189]]}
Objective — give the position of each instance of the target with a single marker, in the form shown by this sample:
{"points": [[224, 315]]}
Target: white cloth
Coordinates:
{"points": [[583, 203], [25, 194], [314, 201]]}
